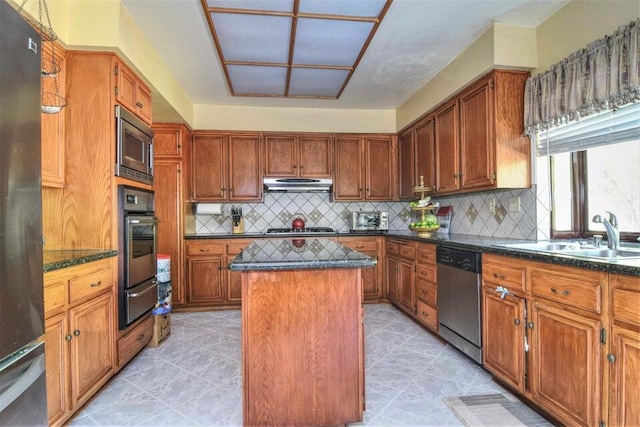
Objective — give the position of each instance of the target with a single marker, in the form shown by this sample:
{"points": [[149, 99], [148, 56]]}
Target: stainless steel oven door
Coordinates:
{"points": [[140, 299], [140, 249]]}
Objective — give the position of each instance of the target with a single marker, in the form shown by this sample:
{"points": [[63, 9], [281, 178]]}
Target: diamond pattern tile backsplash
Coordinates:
{"points": [[471, 214]]}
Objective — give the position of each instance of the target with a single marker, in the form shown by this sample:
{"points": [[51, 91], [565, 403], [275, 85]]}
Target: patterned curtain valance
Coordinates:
{"points": [[604, 75]]}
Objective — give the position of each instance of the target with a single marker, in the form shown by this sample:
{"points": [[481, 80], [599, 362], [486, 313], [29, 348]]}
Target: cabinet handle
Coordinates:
{"points": [[140, 337], [359, 190], [516, 321], [222, 267], [611, 358], [295, 166], [455, 175], [460, 175], [139, 104], [425, 314], [223, 189], [95, 285], [530, 325], [499, 276], [68, 337], [179, 145], [76, 332], [204, 250], [423, 291], [564, 293], [359, 247]]}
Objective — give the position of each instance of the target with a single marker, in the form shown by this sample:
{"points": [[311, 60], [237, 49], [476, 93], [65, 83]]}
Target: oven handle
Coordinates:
{"points": [[137, 294], [143, 221]]}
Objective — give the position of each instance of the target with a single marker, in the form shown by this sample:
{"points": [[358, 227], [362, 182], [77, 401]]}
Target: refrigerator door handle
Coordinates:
{"points": [[30, 376]]}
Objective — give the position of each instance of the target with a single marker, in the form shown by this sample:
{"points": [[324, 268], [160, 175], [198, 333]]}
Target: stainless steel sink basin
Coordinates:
{"points": [[605, 253], [544, 246]]}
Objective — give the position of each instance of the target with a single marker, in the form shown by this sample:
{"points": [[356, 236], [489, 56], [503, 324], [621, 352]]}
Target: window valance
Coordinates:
{"points": [[603, 76]]}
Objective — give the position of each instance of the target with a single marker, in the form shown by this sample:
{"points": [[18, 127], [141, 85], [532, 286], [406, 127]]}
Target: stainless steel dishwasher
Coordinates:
{"points": [[459, 303]]}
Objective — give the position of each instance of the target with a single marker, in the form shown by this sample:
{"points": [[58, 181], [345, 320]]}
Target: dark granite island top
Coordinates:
{"points": [[302, 332], [298, 254]]}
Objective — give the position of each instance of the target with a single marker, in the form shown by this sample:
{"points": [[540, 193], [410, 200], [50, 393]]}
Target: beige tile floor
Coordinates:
{"points": [[194, 377]]}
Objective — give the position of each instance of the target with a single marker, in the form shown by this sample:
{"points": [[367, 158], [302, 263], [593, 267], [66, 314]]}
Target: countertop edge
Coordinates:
{"points": [[75, 257]]}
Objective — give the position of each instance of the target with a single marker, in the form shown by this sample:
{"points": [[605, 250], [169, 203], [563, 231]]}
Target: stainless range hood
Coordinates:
{"points": [[298, 185]]}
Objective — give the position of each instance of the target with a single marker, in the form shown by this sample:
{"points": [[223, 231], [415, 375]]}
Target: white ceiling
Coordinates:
{"points": [[416, 39]]}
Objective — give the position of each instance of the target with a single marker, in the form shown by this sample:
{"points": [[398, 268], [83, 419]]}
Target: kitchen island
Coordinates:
{"points": [[302, 332]]}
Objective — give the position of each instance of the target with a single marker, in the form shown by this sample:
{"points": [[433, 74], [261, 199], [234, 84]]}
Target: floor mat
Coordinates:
{"points": [[494, 410]]}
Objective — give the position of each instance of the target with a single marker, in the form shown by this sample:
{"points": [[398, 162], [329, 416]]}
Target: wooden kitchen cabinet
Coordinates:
{"points": [[303, 156], [479, 141], [132, 92], [371, 277], [53, 131], [624, 352], [171, 178], [416, 158], [79, 336], [364, 167], [210, 283], [426, 285], [400, 257], [226, 167]]}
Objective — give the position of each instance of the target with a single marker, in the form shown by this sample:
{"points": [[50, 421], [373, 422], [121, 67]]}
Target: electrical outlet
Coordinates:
{"points": [[514, 204], [492, 205]]}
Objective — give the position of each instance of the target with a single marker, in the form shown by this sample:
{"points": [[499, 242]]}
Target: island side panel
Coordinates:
{"points": [[302, 347]]}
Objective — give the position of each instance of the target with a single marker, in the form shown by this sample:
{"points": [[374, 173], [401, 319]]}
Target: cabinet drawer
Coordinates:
{"points": [[392, 248], [573, 287], [407, 252], [426, 256], [427, 273], [236, 248], [511, 276], [360, 245], [134, 341], [625, 298], [427, 315], [90, 284], [427, 292], [55, 296], [205, 249]]}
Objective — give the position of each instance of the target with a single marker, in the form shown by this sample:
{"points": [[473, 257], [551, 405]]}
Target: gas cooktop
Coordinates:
{"points": [[308, 230]]}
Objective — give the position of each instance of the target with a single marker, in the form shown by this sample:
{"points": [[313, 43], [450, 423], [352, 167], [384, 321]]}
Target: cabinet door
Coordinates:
{"points": [[447, 148], [392, 269], [280, 156], [371, 280], [625, 377], [167, 141], [56, 361], [53, 125], [406, 285], [348, 179], [565, 368], [503, 328], [143, 102], [245, 177], [92, 326], [208, 168], [168, 205], [406, 164], [378, 170], [234, 283], [205, 280], [477, 148], [126, 83], [425, 152], [315, 156]]}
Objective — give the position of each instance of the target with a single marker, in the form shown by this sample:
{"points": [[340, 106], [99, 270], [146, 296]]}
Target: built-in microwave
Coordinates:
{"points": [[134, 149]]}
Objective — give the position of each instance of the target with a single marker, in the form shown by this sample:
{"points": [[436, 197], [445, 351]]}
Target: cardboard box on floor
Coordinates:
{"points": [[161, 329]]}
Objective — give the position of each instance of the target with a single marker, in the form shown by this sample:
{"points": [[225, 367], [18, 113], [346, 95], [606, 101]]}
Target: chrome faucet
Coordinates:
{"points": [[611, 225]]}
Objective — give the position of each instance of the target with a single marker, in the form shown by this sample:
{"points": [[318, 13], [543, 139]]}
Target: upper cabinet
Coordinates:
{"points": [[132, 92], [226, 167], [363, 167], [304, 156], [416, 158], [473, 141], [52, 125]]}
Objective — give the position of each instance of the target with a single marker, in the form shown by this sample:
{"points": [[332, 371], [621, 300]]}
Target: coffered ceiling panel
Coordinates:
{"points": [[256, 81], [340, 7], [317, 82]]}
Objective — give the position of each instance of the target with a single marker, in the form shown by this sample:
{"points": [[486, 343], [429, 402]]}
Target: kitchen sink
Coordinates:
{"points": [[574, 249], [544, 246], [606, 253]]}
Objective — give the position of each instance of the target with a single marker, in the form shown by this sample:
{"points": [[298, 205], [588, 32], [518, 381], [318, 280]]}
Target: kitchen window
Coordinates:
{"points": [[594, 167]]}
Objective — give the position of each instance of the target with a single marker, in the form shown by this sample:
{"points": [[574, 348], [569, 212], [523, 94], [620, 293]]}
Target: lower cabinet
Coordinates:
{"points": [[210, 283], [371, 277], [79, 335]]}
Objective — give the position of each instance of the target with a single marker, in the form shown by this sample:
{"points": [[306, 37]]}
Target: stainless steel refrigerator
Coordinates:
{"points": [[22, 375]]}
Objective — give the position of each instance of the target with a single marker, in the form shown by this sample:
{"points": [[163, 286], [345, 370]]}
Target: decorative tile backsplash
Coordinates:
{"points": [[471, 214]]}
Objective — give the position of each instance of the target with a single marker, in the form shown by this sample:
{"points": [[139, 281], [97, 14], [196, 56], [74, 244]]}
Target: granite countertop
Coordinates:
{"points": [[290, 254], [58, 259], [473, 243]]}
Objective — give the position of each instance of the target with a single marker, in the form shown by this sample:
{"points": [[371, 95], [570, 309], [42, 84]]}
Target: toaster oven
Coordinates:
{"points": [[370, 221]]}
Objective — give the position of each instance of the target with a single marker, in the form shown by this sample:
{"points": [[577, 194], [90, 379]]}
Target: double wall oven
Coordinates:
{"points": [[137, 284]]}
